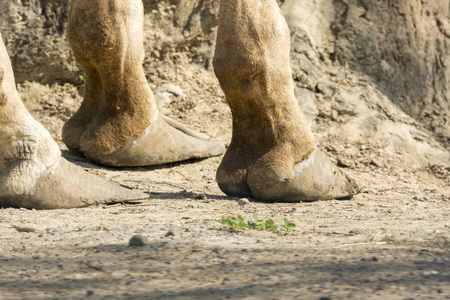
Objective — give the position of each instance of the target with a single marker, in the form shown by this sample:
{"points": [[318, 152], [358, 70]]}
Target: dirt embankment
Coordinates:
{"points": [[373, 80]]}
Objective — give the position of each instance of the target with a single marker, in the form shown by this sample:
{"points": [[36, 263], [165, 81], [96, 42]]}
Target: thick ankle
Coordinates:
{"points": [[25, 156]]}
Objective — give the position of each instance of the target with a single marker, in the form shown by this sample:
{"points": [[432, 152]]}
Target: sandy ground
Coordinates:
{"points": [[382, 244]]}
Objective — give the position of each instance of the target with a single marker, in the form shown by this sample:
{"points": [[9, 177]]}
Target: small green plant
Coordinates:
{"points": [[391, 237], [425, 235], [258, 224], [82, 79], [370, 237]]}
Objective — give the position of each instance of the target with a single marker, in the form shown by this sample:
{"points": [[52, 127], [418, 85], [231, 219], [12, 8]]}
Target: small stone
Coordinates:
{"points": [[345, 163], [429, 273], [420, 198], [119, 274], [26, 228], [356, 230], [374, 258], [199, 196], [175, 89], [376, 162], [138, 240], [89, 293], [243, 201], [169, 233]]}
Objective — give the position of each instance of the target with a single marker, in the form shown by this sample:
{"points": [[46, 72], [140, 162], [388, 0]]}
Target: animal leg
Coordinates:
{"points": [[272, 155], [118, 123], [32, 172]]}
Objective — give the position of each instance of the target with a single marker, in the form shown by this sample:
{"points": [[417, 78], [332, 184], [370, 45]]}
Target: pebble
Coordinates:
{"points": [[26, 228], [119, 274], [89, 293], [170, 233], [420, 198], [428, 273], [377, 162], [346, 163], [175, 89], [138, 240], [356, 230], [243, 201], [199, 196]]}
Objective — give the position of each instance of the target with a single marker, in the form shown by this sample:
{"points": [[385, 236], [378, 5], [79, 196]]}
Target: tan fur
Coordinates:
{"points": [[118, 123], [270, 135], [2, 93], [26, 148], [252, 64], [106, 38], [32, 172], [272, 155]]}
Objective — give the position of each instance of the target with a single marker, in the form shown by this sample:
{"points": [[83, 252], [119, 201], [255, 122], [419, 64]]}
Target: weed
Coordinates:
{"points": [[258, 224], [390, 237], [83, 80], [370, 237], [425, 235]]}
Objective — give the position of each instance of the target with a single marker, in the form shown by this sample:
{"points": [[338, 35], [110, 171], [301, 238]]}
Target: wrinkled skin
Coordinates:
{"points": [[32, 172]]}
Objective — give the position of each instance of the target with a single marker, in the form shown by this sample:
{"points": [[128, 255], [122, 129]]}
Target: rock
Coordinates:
{"points": [[170, 233], [345, 163], [89, 293], [119, 274], [26, 228], [138, 240], [429, 273], [421, 198], [377, 162], [243, 201], [356, 230], [225, 280], [175, 89], [199, 196]]}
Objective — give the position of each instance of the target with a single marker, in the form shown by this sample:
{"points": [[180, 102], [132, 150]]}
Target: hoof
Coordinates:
{"points": [[69, 186], [164, 141], [272, 180], [315, 178]]}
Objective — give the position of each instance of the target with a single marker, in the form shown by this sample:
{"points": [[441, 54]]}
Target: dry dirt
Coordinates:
{"points": [[388, 242], [383, 244]]}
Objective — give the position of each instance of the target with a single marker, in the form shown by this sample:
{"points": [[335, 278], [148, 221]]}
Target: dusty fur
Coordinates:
{"points": [[106, 38]]}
